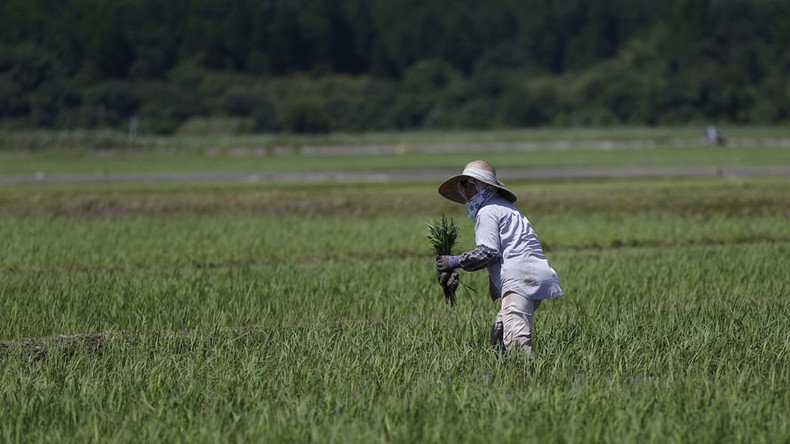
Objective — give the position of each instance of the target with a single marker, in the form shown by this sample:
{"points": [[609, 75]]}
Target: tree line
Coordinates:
{"points": [[321, 65]]}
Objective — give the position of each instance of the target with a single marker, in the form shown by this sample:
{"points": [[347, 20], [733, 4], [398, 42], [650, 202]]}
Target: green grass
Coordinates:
{"points": [[110, 152], [84, 139], [310, 312], [666, 157]]}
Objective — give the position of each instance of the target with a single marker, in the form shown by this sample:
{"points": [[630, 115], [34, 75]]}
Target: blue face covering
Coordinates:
{"points": [[474, 204]]}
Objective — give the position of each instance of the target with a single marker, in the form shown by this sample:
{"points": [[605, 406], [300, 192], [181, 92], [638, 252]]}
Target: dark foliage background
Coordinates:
{"points": [[322, 65]]}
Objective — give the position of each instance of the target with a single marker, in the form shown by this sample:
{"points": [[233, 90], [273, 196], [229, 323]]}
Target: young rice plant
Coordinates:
{"points": [[442, 235]]}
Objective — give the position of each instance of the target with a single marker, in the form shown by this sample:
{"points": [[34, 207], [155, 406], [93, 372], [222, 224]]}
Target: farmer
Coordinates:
{"points": [[507, 245], [713, 136]]}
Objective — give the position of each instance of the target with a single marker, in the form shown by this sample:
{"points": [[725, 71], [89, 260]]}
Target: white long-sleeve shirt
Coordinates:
{"points": [[509, 247]]}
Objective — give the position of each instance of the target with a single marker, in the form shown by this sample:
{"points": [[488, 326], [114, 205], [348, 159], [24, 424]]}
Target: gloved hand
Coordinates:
{"points": [[447, 263]]}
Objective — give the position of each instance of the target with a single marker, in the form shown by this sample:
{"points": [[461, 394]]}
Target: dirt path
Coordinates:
{"points": [[394, 175]]}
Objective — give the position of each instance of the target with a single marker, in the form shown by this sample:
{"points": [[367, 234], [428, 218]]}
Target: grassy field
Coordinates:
{"points": [[109, 139], [569, 158], [91, 152], [309, 312]]}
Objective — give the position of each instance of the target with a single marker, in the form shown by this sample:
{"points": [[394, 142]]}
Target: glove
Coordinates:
{"points": [[447, 263]]}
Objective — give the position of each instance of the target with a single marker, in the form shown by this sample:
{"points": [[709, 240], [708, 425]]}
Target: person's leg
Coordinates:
{"points": [[497, 331], [517, 313]]}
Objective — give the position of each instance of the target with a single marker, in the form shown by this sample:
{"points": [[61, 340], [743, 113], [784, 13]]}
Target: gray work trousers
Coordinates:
{"points": [[512, 328]]}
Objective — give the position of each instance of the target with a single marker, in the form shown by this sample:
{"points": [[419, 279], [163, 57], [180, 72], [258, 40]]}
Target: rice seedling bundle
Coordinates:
{"points": [[442, 236]]}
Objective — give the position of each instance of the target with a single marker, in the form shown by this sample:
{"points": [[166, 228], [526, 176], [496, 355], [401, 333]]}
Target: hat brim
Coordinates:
{"points": [[449, 189]]}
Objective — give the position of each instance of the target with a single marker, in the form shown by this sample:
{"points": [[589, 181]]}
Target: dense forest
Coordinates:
{"points": [[356, 65]]}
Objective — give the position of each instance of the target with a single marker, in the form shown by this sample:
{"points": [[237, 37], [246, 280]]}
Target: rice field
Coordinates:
{"points": [[113, 152], [250, 161], [296, 312]]}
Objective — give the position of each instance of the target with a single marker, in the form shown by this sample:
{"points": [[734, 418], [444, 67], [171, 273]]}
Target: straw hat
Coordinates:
{"points": [[477, 169]]}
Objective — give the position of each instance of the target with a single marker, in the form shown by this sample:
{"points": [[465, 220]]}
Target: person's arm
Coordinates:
{"points": [[486, 253], [471, 260], [479, 258]]}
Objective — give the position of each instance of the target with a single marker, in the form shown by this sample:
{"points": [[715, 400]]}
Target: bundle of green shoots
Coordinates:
{"points": [[442, 235]]}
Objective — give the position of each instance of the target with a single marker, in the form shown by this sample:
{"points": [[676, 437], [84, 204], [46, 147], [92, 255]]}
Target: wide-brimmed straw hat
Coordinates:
{"points": [[477, 169]]}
